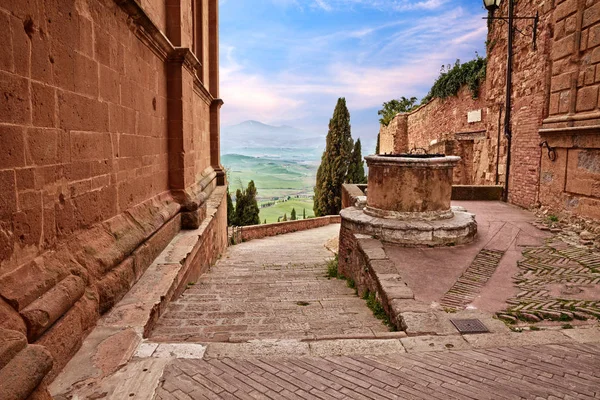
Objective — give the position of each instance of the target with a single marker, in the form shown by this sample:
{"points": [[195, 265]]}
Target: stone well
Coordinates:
{"points": [[408, 202]]}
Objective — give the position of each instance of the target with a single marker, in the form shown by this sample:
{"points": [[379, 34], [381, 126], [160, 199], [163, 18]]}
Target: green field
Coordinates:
{"points": [[272, 213], [274, 178]]}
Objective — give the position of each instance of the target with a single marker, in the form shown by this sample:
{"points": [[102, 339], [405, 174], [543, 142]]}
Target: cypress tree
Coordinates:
{"points": [[334, 163], [356, 169], [377, 146], [293, 214], [284, 217], [304, 213], [230, 210], [246, 208]]}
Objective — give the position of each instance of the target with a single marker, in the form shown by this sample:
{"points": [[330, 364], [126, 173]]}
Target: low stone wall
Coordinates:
{"points": [[279, 228], [363, 259], [350, 193]]}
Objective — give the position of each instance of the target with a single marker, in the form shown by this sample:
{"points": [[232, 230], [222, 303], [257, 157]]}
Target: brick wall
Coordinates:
{"points": [[107, 131], [442, 126], [554, 98], [572, 126], [279, 228]]}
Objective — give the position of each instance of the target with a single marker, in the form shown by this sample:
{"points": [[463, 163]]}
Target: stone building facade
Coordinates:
{"points": [[554, 100], [109, 132]]}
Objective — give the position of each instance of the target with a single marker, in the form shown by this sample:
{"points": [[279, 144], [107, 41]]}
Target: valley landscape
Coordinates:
{"points": [[282, 161]]}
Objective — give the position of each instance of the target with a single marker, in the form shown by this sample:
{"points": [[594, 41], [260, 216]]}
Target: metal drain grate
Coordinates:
{"points": [[469, 326]]}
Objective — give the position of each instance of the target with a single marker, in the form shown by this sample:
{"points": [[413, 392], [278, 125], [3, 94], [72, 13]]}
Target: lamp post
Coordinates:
{"points": [[492, 6]]}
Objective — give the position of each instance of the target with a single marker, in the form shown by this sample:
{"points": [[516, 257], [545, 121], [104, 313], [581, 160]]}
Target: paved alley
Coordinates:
{"points": [[272, 288]]}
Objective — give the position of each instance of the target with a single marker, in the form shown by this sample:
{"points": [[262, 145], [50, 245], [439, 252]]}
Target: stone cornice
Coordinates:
{"points": [[145, 29], [581, 121]]}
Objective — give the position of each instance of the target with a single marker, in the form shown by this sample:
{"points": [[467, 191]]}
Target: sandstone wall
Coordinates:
{"points": [[108, 129]]}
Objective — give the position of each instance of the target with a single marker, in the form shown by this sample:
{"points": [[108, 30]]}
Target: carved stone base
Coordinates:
{"points": [[459, 229]]}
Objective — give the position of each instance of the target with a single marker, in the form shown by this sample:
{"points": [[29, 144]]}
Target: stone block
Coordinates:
{"points": [[22, 375], [591, 15], [13, 147], [430, 323], [64, 338], [354, 347], [43, 105], [15, 99], [587, 98], [80, 113], [10, 319], [116, 284], [11, 343], [43, 312]]}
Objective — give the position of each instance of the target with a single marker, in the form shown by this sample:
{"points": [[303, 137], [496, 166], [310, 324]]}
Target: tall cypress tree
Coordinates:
{"points": [[246, 207], [293, 214], [334, 163], [377, 146], [230, 210], [356, 169]]}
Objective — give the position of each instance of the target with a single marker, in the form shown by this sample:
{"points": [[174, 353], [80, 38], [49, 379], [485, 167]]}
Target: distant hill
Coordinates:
{"points": [[255, 134]]}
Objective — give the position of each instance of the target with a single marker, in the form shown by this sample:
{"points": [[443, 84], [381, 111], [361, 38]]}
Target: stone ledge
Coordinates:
{"points": [[114, 340]]}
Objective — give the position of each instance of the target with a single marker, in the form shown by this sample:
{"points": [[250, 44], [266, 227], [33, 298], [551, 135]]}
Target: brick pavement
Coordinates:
{"points": [[565, 371], [272, 288]]}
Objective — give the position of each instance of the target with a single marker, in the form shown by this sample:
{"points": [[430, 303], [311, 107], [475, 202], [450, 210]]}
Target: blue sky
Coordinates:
{"points": [[285, 62]]}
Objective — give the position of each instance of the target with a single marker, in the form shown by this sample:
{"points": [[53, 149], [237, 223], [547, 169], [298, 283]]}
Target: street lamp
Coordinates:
{"points": [[492, 6]]}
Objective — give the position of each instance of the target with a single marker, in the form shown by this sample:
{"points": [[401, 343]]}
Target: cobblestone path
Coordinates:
{"points": [[557, 282], [567, 371], [273, 288]]}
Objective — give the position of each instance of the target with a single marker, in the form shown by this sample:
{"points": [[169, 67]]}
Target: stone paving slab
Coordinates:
{"points": [[564, 371], [272, 288]]}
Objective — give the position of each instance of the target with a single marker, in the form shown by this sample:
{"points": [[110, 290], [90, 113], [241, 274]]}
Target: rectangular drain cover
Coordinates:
{"points": [[469, 326]]}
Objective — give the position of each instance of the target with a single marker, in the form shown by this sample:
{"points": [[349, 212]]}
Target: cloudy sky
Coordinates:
{"points": [[285, 62]]}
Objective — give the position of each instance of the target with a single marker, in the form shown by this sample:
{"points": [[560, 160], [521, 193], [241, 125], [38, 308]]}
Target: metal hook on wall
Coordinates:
{"points": [[551, 150]]}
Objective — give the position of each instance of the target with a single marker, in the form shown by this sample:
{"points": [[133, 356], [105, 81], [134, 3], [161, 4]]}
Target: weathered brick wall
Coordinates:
{"points": [[442, 126], [106, 131], [530, 85], [572, 182], [279, 228]]}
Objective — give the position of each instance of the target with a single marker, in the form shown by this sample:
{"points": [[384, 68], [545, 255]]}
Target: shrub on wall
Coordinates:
{"points": [[452, 78]]}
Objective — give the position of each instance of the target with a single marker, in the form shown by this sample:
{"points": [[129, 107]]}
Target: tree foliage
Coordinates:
{"points": [[293, 215], [246, 206], [377, 145], [393, 107], [356, 169], [230, 210], [334, 163], [453, 77]]}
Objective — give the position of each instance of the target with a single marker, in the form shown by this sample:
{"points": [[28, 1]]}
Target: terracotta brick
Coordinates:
{"points": [[563, 47], [81, 113], [587, 98], [43, 102], [594, 36], [41, 64], [21, 47], [46, 146], [591, 15], [565, 9], [90, 146], [8, 198], [6, 50], [86, 75], [15, 99], [12, 153], [25, 179], [110, 88]]}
